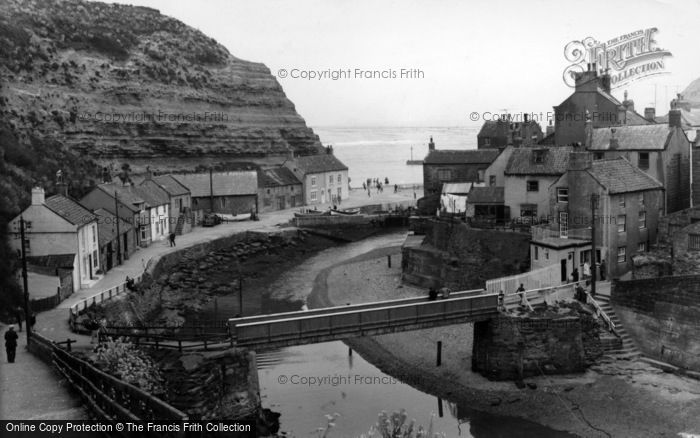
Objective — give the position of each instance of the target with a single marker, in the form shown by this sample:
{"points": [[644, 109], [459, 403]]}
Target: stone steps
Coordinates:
{"points": [[624, 348]]}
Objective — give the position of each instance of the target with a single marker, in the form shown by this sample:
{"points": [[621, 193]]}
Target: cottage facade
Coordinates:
{"points": [[455, 166], [279, 189], [324, 178]]}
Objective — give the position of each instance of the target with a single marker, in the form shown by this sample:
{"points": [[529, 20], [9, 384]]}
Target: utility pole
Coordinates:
{"points": [[594, 205], [27, 318], [211, 188], [116, 214]]}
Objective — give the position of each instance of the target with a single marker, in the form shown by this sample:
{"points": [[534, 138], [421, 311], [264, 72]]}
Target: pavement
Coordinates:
{"points": [[31, 389]]}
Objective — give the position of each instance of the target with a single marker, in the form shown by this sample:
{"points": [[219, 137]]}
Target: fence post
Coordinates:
{"points": [[439, 353], [388, 260]]}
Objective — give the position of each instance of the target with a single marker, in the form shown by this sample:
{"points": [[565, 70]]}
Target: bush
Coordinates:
{"points": [[126, 362]]}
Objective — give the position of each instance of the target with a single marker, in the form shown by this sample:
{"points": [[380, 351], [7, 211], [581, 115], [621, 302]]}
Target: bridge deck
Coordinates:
{"points": [[337, 323]]}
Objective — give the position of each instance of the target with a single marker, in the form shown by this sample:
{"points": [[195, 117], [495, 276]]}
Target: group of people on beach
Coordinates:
{"points": [[376, 183]]}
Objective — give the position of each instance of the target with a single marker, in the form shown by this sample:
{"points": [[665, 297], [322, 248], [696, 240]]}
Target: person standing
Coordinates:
{"points": [[171, 237], [11, 343], [521, 292]]}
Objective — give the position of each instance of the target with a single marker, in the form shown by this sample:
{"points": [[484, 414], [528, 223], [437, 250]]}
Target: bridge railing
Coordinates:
{"points": [[347, 308], [348, 322], [535, 279]]}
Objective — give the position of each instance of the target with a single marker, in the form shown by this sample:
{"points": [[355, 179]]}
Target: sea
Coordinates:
{"points": [[382, 152]]}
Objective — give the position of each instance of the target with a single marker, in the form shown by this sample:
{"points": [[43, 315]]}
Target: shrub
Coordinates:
{"points": [[126, 362]]}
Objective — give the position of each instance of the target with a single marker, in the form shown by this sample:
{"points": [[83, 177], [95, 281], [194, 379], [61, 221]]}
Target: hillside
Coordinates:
{"points": [[87, 85], [70, 68]]}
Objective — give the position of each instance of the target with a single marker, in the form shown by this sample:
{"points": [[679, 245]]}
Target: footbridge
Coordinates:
{"points": [[370, 319]]}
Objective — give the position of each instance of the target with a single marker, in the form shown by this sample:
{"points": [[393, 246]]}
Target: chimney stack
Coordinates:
{"points": [[605, 81], [650, 113], [621, 115], [674, 118], [149, 173], [613, 141], [431, 145], [579, 161], [37, 196]]}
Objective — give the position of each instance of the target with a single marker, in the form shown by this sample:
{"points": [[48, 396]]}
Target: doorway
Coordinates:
{"points": [[564, 276]]}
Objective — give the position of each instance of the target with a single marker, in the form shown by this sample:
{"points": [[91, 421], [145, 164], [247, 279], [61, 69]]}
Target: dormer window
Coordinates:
{"points": [[538, 156]]}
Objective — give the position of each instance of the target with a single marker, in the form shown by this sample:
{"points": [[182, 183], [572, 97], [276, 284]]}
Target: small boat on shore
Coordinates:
{"points": [[345, 212], [312, 213], [234, 217]]}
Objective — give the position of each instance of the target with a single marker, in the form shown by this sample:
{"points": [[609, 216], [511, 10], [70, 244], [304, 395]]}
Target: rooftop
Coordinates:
{"points": [[619, 176], [126, 194], [461, 156], [278, 176], [486, 195], [70, 210], [539, 161], [150, 192], [637, 137], [171, 185], [107, 226], [231, 183], [319, 163], [52, 260], [458, 188]]}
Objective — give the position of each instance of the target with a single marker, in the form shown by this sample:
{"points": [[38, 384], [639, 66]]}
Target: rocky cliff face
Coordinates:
{"points": [[117, 83]]}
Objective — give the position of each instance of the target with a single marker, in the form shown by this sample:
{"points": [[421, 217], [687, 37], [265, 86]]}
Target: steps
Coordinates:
{"points": [[180, 224], [622, 347]]}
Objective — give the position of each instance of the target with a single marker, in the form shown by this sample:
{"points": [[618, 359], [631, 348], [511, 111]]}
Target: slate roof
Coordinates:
{"points": [[224, 183], [52, 260], [319, 164], [522, 161], [126, 194], [486, 195], [70, 210], [107, 226], [638, 137], [620, 176], [278, 176], [152, 194], [493, 128], [461, 156], [171, 185]]}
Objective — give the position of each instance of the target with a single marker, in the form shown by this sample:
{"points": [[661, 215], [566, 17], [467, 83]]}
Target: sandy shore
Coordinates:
{"points": [[612, 399]]}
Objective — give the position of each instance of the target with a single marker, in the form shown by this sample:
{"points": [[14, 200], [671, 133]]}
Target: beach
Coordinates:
{"points": [[611, 399]]}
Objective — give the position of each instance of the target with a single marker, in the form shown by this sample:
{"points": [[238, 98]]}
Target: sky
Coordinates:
{"points": [[468, 56]]}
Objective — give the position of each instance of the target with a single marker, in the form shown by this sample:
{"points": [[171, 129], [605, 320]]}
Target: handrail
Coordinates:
{"points": [[92, 299], [600, 312]]}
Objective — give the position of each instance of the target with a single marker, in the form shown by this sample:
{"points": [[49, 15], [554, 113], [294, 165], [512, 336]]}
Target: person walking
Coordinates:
{"points": [[171, 237], [11, 343]]}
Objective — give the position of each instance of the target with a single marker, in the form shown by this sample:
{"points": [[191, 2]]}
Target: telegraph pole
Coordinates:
{"points": [[116, 215], [27, 324], [594, 204]]}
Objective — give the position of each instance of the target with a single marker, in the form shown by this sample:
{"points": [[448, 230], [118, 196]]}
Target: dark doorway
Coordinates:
{"points": [[110, 254], [125, 248], [563, 270]]}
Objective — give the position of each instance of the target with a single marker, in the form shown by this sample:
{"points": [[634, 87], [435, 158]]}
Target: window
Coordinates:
{"points": [[598, 156], [143, 233], [562, 195], [313, 196], [479, 175], [538, 156], [641, 199], [267, 201], [444, 174], [268, 191], [313, 181], [563, 224], [94, 234], [641, 247], [694, 242], [330, 179], [621, 254], [642, 219], [487, 141], [340, 178], [537, 253], [533, 186], [528, 210], [492, 180], [27, 247], [644, 160], [622, 201], [621, 223], [546, 254], [340, 192], [94, 259]]}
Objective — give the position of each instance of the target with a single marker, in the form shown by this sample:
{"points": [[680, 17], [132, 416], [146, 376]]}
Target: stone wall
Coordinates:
{"points": [[459, 257], [211, 385], [513, 348], [661, 315]]}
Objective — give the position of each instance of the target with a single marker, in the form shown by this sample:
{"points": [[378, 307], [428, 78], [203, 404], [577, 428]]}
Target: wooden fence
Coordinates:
{"points": [[76, 309], [108, 397]]}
